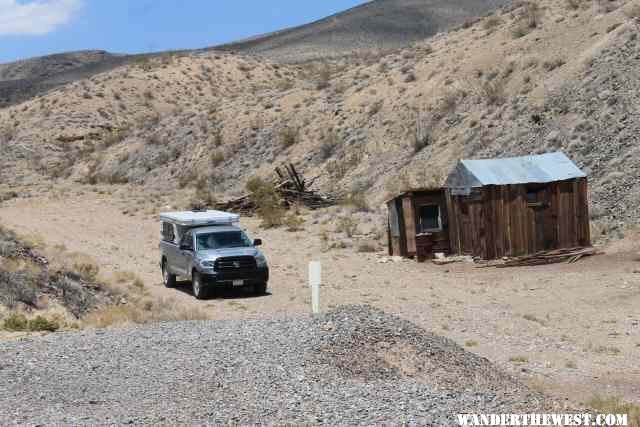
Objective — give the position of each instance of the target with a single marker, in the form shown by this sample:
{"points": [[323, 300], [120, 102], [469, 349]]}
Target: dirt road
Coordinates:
{"points": [[573, 329]]}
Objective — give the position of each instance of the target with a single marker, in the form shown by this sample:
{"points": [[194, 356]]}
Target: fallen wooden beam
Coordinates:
{"points": [[569, 255]]}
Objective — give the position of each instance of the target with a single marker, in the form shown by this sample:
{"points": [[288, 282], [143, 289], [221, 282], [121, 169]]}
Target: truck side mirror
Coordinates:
{"points": [[257, 242], [185, 247]]}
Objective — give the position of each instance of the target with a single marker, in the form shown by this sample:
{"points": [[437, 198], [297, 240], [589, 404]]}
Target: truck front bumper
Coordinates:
{"points": [[228, 279]]}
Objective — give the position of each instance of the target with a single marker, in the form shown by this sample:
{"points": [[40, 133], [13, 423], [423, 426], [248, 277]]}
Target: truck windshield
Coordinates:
{"points": [[222, 239]]}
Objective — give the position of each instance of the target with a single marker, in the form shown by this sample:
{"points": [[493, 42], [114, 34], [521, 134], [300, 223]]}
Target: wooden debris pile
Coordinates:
{"points": [[569, 255], [292, 188]]}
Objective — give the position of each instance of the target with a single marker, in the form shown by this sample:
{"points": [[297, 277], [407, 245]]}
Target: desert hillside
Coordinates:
{"points": [[533, 77], [380, 24]]}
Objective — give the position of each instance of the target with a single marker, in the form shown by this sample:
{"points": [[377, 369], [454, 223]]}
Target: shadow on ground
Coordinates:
{"points": [[222, 293]]}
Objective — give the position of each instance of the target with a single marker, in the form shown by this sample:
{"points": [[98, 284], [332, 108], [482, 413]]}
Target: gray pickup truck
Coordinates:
{"points": [[209, 248]]}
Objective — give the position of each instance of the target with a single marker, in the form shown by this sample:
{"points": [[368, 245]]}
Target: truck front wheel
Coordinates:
{"points": [[260, 288]]}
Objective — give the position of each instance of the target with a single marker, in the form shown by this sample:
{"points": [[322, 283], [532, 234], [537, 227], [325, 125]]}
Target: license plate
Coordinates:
{"points": [[238, 282]]}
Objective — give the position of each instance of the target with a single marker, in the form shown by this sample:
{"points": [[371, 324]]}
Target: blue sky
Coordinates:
{"points": [[39, 27]]}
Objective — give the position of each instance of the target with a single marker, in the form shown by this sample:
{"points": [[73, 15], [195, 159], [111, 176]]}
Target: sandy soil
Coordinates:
{"points": [[573, 330]]}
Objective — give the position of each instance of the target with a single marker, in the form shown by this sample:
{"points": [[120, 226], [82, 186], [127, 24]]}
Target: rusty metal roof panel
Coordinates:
{"points": [[541, 168]]}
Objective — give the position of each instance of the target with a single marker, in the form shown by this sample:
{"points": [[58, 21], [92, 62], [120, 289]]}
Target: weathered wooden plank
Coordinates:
{"points": [[483, 235], [520, 212], [564, 209], [409, 224], [500, 224], [506, 223], [452, 218], [583, 213]]}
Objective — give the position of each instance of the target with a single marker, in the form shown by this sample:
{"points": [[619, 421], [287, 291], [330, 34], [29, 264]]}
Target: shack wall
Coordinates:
{"points": [[497, 221]]}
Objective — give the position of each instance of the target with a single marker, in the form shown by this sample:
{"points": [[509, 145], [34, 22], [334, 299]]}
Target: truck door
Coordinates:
{"points": [[185, 254]]}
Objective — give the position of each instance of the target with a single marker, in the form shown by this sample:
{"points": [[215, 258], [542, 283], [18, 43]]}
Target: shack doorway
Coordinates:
{"points": [[538, 205]]}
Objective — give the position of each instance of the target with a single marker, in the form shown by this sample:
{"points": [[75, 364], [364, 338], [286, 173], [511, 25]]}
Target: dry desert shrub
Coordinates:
{"points": [[347, 225], [357, 200], [422, 135], [288, 136], [267, 201], [140, 312], [7, 133], [633, 11], [616, 405], [551, 64], [492, 22], [294, 222], [216, 158], [493, 91], [574, 4], [367, 247], [528, 19], [330, 143], [17, 322]]}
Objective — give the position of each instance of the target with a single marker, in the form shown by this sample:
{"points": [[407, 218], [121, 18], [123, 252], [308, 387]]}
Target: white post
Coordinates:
{"points": [[315, 278]]}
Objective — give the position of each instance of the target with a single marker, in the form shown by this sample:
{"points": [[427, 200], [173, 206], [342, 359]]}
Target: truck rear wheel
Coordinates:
{"points": [[199, 289], [168, 279]]}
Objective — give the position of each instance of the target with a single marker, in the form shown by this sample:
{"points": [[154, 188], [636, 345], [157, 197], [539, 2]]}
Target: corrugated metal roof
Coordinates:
{"points": [[541, 168]]}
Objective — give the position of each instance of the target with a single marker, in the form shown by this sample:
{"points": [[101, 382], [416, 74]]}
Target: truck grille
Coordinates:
{"points": [[235, 264]]}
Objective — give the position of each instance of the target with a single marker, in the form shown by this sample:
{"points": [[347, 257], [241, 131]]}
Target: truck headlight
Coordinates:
{"points": [[261, 260], [207, 264]]}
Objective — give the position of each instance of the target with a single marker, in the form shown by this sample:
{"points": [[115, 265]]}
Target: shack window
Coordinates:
{"points": [[535, 196], [429, 217], [168, 234]]}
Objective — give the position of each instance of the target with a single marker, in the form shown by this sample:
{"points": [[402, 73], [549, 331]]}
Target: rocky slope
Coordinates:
{"points": [[532, 77]]}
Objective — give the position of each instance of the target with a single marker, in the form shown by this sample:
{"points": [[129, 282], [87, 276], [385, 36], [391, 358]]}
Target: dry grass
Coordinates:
{"points": [[367, 247], [294, 222], [124, 277], [18, 322], [615, 405], [633, 11], [141, 312], [518, 359], [347, 225], [268, 202]]}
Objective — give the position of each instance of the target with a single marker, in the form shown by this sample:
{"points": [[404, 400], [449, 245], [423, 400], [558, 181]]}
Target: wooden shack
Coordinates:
{"points": [[494, 208], [418, 224]]}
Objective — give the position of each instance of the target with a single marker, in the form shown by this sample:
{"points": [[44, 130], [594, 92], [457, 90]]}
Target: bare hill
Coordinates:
{"points": [[534, 77], [379, 24], [21, 80], [50, 65]]}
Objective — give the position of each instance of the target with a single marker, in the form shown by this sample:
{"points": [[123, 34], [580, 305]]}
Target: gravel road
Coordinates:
{"points": [[352, 366]]}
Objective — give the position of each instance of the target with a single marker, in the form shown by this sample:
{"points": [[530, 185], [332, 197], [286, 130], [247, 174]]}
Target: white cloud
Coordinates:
{"points": [[35, 17]]}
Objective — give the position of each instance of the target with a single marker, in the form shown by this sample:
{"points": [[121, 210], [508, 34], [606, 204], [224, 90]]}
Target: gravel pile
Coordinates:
{"points": [[353, 366]]}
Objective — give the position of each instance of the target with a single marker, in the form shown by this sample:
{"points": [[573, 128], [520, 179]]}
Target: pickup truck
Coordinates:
{"points": [[209, 248]]}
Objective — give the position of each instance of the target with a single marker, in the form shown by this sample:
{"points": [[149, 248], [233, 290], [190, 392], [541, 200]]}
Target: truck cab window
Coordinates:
{"points": [[187, 241], [168, 234]]}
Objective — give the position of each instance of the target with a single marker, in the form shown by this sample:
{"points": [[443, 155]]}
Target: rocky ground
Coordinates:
{"points": [[352, 366]]}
